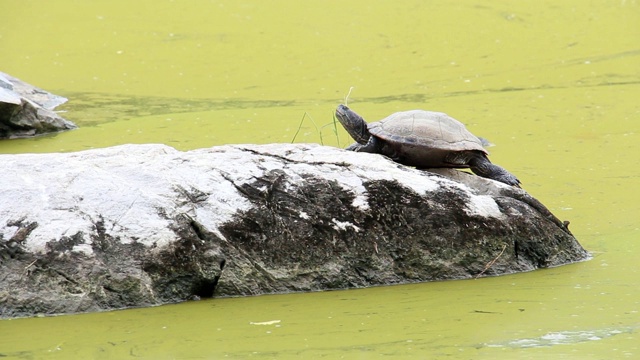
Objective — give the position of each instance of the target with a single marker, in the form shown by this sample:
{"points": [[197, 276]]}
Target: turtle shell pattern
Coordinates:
{"points": [[425, 138]]}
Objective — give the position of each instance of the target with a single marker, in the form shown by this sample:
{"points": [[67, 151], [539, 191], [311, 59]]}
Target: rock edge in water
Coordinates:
{"points": [[28, 111], [142, 225]]}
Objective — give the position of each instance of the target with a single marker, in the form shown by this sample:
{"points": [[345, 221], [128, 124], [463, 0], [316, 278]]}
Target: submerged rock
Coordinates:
{"points": [[27, 111], [139, 225]]}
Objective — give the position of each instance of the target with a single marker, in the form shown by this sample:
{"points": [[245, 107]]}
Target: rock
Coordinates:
{"points": [[140, 225], [27, 111]]}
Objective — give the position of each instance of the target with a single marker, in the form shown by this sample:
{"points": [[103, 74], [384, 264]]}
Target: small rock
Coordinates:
{"points": [[28, 111]]}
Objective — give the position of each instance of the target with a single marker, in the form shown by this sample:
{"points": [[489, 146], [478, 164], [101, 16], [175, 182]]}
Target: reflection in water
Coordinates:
{"points": [[111, 107]]}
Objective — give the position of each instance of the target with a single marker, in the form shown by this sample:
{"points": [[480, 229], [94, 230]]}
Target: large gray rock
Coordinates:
{"points": [[27, 111], [139, 225]]}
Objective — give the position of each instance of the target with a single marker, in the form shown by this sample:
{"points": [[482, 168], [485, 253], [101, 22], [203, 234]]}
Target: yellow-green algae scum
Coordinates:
{"points": [[554, 84]]}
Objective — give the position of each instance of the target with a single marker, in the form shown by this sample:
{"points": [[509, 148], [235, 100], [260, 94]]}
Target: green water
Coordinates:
{"points": [[555, 85]]}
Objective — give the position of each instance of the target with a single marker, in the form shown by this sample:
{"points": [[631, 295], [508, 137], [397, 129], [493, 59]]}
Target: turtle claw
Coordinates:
{"points": [[481, 166], [500, 174], [508, 179]]}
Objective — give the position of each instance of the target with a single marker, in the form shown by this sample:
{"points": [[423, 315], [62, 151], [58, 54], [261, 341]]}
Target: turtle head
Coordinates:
{"points": [[353, 123], [345, 115]]}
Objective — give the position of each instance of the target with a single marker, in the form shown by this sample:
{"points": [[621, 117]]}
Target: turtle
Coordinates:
{"points": [[423, 139]]}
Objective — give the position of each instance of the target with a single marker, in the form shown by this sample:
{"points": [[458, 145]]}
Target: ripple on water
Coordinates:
{"points": [[564, 338]]}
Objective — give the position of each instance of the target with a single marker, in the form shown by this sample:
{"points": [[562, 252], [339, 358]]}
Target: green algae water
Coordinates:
{"points": [[554, 85]]}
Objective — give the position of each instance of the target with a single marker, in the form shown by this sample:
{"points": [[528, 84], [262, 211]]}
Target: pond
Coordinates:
{"points": [[554, 85]]}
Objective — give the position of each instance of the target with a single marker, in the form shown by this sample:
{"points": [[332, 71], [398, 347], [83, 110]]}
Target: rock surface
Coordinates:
{"points": [[139, 225], [27, 111]]}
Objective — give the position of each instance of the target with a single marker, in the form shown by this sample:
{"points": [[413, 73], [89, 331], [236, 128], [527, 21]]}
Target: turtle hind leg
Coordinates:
{"points": [[481, 166]]}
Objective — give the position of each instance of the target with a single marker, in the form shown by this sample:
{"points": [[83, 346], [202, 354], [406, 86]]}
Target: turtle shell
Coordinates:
{"points": [[425, 138]]}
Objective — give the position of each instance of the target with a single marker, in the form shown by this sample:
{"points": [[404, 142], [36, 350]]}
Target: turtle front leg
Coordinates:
{"points": [[372, 146], [481, 166], [354, 147]]}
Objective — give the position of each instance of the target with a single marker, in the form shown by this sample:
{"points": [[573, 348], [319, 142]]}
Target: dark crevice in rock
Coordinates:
{"points": [[286, 159], [14, 247]]}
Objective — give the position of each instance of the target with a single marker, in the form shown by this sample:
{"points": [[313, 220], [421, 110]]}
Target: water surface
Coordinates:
{"points": [[553, 84]]}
